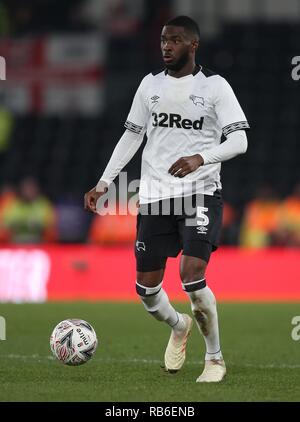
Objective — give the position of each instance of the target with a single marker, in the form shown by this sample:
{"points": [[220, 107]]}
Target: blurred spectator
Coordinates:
{"points": [[72, 221], [7, 197], [230, 227], [261, 219], [111, 229], [4, 21], [288, 232], [30, 217], [6, 126]]}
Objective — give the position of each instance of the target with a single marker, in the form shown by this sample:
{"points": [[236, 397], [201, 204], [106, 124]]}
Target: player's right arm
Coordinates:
{"points": [[125, 149]]}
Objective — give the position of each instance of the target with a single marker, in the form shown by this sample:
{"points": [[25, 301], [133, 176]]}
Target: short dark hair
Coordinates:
{"points": [[189, 24]]}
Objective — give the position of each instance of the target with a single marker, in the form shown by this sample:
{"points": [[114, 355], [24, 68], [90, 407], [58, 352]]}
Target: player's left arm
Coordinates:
{"points": [[233, 122], [235, 144]]}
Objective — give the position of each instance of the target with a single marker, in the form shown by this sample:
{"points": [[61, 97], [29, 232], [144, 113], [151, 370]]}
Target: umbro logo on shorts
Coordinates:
{"points": [[202, 230]]}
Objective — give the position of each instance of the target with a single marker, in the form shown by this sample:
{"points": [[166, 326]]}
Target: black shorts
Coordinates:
{"points": [[192, 225]]}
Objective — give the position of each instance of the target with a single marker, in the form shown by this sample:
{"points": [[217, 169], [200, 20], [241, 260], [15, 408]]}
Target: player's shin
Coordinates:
{"points": [[156, 302], [203, 304]]}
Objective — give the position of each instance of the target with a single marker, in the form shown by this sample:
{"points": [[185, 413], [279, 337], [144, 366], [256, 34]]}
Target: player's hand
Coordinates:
{"points": [[91, 197], [186, 165]]}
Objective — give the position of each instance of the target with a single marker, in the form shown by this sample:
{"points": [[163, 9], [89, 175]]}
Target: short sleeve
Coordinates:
{"points": [[229, 112], [138, 115]]}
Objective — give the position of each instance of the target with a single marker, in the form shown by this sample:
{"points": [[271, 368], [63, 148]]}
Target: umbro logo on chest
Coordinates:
{"points": [[155, 99]]}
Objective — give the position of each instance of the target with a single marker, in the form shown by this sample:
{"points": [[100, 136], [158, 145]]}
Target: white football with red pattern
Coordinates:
{"points": [[73, 341]]}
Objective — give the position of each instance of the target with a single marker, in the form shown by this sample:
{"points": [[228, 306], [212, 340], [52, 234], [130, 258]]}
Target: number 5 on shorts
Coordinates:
{"points": [[202, 219]]}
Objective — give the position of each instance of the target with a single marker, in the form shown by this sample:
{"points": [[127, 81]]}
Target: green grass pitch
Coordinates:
{"points": [[262, 359]]}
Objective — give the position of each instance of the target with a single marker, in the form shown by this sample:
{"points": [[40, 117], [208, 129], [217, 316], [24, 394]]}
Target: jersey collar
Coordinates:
{"points": [[197, 69]]}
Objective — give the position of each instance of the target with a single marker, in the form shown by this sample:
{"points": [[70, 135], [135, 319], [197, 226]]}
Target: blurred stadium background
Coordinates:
{"points": [[72, 69]]}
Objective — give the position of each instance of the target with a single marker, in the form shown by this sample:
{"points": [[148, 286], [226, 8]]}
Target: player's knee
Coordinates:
{"points": [[148, 287], [193, 271], [150, 278]]}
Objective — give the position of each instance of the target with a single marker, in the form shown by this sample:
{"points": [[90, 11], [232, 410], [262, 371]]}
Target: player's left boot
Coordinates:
{"points": [[214, 371], [175, 351]]}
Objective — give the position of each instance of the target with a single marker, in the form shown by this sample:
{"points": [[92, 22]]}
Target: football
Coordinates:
{"points": [[73, 342]]}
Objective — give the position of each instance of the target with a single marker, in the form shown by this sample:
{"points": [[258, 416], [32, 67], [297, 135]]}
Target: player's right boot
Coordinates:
{"points": [[175, 351]]}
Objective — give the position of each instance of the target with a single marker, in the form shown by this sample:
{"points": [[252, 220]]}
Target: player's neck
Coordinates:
{"points": [[186, 70]]}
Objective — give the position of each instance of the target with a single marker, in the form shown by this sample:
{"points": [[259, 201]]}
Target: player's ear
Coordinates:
{"points": [[195, 45]]}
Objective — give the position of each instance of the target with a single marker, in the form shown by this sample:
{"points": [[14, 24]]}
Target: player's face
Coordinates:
{"points": [[177, 47]]}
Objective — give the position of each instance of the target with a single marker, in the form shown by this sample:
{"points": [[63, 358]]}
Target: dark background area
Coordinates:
{"points": [[67, 152]]}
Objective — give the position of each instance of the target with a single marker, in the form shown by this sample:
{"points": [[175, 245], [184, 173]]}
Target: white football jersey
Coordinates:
{"points": [[182, 117]]}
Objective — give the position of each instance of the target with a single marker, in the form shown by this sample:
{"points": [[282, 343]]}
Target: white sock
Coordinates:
{"points": [[203, 303], [157, 303]]}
